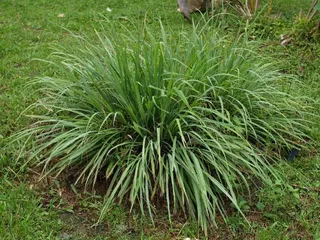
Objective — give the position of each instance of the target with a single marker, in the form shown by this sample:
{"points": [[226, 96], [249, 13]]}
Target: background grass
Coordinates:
{"points": [[28, 28], [22, 215]]}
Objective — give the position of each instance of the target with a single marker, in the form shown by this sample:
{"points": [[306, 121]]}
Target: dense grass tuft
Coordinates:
{"points": [[191, 120]]}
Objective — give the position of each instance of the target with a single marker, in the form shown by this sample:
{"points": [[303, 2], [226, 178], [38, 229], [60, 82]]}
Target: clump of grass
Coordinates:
{"points": [[188, 120]]}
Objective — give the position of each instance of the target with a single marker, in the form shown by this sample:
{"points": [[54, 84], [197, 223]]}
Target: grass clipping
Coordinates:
{"points": [[192, 120]]}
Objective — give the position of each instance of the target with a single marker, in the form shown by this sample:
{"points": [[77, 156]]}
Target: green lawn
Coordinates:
{"points": [[53, 209]]}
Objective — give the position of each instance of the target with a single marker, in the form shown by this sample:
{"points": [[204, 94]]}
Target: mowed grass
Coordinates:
{"points": [[21, 214], [27, 31]]}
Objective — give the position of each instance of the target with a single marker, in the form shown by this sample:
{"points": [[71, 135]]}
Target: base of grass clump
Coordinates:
{"points": [[189, 120]]}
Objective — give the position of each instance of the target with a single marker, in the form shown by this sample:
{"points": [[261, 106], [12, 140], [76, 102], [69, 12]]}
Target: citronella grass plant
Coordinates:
{"points": [[186, 119]]}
